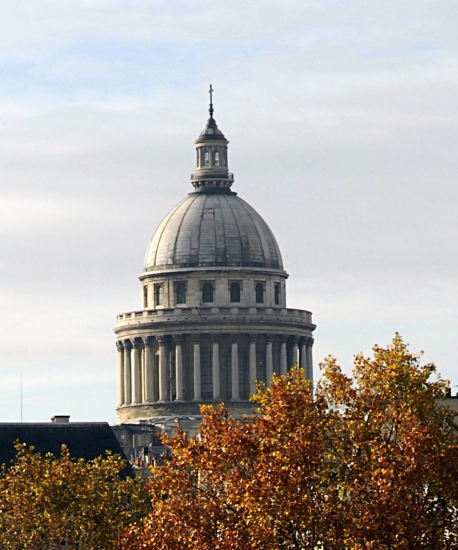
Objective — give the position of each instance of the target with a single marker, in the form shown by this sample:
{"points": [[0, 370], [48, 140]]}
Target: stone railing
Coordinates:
{"points": [[209, 313]]}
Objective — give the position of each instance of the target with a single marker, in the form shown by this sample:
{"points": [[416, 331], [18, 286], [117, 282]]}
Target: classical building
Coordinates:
{"points": [[214, 317]]}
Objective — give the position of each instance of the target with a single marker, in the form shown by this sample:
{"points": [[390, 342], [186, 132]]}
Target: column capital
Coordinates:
{"points": [[283, 338], [146, 340], [234, 337], [178, 338], [253, 337], [120, 345], [310, 342], [215, 337], [196, 339], [269, 337], [134, 343], [127, 344], [295, 339], [160, 339], [303, 341]]}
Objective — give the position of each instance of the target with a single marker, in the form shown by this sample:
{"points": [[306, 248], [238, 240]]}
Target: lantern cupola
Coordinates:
{"points": [[212, 174]]}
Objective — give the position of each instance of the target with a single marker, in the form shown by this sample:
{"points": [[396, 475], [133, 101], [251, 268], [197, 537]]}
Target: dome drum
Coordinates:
{"points": [[185, 288]]}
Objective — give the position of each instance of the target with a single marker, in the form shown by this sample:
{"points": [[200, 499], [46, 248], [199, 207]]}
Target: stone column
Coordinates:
{"points": [[269, 359], [163, 382], [142, 373], [178, 367], [137, 374], [197, 374], [235, 368], [303, 355], [294, 358], [148, 389], [215, 368], [121, 399], [127, 373], [283, 357], [252, 363], [310, 360]]}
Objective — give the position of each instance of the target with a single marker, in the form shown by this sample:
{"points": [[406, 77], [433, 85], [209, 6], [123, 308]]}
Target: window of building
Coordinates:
{"points": [[277, 294], [259, 293], [145, 296], [207, 158], [181, 293], [235, 292], [158, 290], [216, 158], [207, 293]]}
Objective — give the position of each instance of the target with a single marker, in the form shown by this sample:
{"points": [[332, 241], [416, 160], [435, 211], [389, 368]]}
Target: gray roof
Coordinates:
{"points": [[212, 230], [211, 132], [86, 440]]}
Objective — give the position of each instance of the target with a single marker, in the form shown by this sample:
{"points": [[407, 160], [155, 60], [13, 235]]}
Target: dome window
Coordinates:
{"points": [[145, 296], [207, 158], [207, 293], [158, 291], [235, 292], [277, 294], [181, 293], [259, 293], [216, 158]]}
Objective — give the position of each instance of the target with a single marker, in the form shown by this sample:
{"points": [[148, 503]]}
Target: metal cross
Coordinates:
{"points": [[211, 101]]}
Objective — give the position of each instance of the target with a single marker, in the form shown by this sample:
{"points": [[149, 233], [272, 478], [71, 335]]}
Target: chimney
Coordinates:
{"points": [[60, 418]]}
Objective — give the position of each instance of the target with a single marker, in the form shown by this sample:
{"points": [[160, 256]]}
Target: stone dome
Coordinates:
{"points": [[213, 230]]}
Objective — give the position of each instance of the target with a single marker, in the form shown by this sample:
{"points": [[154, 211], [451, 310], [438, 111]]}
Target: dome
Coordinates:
{"points": [[213, 230], [211, 132]]}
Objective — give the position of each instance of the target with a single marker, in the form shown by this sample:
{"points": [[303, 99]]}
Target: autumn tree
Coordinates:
{"points": [[368, 462], [52, 503]]}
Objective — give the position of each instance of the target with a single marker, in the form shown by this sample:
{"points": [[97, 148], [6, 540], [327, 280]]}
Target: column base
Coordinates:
{"points": [[197, 399], [178, 401]]}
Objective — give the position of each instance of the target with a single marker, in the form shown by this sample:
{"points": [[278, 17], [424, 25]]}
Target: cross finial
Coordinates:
{"points": [[210, 91]]}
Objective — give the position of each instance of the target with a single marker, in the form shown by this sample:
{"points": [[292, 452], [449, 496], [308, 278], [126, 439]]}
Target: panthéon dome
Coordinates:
{"points": [[214, 317]]}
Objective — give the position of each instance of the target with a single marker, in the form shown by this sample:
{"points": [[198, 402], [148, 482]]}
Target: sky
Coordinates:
{"points": [[343, 126]]}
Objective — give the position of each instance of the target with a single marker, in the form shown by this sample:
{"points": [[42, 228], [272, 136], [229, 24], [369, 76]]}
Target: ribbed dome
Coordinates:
{"points": [[213, 230]]}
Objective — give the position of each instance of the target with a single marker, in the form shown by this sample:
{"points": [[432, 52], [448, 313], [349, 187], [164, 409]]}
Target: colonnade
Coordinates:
{"points": [[144, 372]]}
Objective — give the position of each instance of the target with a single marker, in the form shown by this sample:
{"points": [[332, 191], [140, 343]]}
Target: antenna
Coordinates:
{"points": [[210, 91], [21, 398]]}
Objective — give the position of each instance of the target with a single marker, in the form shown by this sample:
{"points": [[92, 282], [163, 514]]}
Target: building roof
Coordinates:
{"points": [[213, 230], [86, 440], [211, 132]]}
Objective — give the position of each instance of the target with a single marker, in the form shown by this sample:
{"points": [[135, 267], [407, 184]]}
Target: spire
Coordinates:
{"points": [[210, 91]]}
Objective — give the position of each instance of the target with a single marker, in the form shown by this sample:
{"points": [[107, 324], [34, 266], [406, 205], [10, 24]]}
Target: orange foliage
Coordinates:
{"points": [[51, 503], [367, 463]]}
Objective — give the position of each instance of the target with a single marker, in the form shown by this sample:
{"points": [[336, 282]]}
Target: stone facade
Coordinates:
{"points": [[214, 315]]}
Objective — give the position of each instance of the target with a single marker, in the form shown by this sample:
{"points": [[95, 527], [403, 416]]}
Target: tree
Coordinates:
{"points": [[369, 462], [52, 503]]}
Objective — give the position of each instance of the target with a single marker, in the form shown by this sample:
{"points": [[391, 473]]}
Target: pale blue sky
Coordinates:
{"points": [[343, 123]]}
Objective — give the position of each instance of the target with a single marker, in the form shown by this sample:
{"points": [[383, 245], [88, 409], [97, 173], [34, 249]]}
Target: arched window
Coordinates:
{"points": [[159, 294], [235, 292], [145, 296], [181, 293], [216, 158], [259, 293], [277, 294], [207, 158], [207, 293]]}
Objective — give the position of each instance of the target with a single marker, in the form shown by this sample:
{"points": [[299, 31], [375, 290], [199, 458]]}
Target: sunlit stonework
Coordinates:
{"points": [[214, 316]]}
